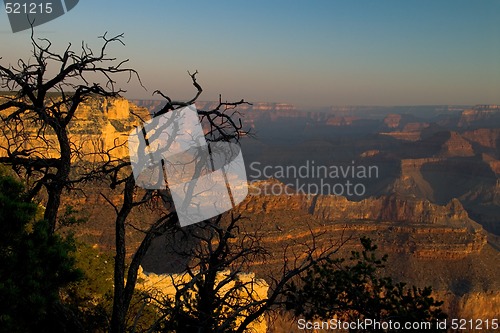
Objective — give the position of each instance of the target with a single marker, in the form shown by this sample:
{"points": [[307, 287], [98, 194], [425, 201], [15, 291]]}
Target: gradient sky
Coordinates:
{"points": [[309, 53]]}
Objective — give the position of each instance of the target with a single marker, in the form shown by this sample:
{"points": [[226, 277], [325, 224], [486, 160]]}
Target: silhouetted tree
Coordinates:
{"points": [[43, 93], [223, 124], [214, 292], [42, 96], [352, 290]]}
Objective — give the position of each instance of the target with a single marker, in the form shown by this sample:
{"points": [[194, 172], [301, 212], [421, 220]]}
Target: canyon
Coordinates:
{"points": [[434, 208], [427, 244]]}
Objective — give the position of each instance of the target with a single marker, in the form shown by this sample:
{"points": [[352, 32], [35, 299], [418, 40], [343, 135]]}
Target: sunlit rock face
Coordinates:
{"points": [[99, 125], [243, 288]]}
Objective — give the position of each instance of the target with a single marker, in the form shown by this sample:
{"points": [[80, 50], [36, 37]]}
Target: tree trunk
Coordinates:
{"points": [[56, 186], [120, 306], [53, 203]]}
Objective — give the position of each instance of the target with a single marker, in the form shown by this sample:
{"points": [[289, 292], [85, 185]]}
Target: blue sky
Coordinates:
{"points": [[309, 53]]}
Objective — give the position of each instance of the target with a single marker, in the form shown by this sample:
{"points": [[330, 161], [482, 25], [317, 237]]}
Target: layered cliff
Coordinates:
{"points": [[480, 116], [436, 230], [99, 125], [390, 208], [427, 244], [485, 137]]}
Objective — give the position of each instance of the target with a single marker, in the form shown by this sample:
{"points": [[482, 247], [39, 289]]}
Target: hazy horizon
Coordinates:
{"points": [[309, 108], [309, 54]]}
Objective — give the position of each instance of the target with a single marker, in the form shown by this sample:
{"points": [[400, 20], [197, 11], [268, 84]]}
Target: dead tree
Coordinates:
{"points": [[221, 243], [209, 297], [42, 96], [215, 293], [44, 93], [223, 124]]}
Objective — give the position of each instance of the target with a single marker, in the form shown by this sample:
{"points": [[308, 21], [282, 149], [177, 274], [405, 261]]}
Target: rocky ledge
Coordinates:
{"points": [[400, 225]]}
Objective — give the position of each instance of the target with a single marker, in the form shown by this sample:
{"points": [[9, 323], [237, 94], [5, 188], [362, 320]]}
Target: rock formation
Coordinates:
{"points": [[485, 137], [164, 286], [415, 216], [456, 145], [99, 125], [481, 115], [419, 236], [459, 235]]}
